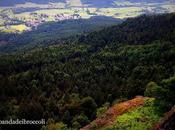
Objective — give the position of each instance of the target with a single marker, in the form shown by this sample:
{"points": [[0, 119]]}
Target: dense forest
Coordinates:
{"points": [[140, 30], [67, 83]]}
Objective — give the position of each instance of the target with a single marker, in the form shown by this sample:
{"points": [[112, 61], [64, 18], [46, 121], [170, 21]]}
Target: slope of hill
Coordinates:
{"points": [[66, 84], [138, 30], [53, 32], [122, 116], [141, 113]]}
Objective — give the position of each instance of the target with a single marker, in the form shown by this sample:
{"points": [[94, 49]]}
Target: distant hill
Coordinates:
{"points": [[149, 1], [13, 2], [108, 3], [95, 3]]}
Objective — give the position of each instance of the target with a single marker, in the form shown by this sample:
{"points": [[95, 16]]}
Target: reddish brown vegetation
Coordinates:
{"points": [[109, 117], [168, 122]]}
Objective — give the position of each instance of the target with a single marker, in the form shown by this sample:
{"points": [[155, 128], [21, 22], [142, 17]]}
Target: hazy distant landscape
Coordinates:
{"points": [[21, 15]]}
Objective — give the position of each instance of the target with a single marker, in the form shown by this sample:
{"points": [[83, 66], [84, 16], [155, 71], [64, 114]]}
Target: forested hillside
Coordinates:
{"points": [[66, 84], [140, 30], [53, 33]]}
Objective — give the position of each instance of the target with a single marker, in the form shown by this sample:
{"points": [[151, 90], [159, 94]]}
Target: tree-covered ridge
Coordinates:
{"points": [[140, 30], [53, 33], [68, 82]]}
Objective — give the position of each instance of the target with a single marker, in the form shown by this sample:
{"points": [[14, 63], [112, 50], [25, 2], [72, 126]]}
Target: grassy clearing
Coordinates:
{"points": [[2, 21], [142, 118], [15, 28], [121, 12], [2, 28], [19, 28], [124, 3]]}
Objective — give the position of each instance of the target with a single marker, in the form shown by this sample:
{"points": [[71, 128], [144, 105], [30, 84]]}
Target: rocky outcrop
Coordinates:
{"points": [[168, 122], [109, 117]]}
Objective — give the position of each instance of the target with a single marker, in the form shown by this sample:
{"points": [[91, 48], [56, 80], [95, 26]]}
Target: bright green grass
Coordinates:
{"points": [[14, 28], [142, 118], [19, 28]]}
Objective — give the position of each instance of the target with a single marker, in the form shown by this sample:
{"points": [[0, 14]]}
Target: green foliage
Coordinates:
{"points": [[79, 121], [51, 125], [164, 93], [102, 110], [153, 90], [141, 118]]}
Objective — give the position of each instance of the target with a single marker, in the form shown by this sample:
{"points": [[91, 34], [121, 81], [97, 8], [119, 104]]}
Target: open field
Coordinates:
{"points": [[15, 28], [19, 28]]}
